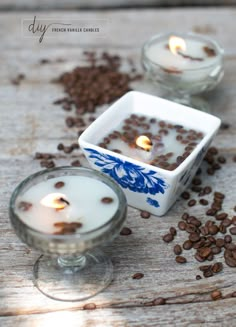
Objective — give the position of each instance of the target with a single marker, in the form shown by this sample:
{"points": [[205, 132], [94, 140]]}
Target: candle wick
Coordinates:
{"points": [[64, 200], [189, 57]]}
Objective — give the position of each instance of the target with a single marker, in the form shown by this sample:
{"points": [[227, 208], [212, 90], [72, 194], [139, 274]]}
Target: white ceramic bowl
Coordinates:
{"points": [[147, 187]]}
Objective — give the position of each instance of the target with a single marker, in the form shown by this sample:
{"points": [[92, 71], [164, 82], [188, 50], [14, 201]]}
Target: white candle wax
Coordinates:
{"points": [[192, 64], [84, 195]]}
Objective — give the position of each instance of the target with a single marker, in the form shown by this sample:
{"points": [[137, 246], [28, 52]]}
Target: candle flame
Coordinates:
{"points": [[144, 142], [55, 200], [176, 44]]}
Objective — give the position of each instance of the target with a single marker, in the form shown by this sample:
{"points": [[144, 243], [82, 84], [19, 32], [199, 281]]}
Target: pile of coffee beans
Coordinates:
{"points": [[98, 83], [163, 137], [206, 239]]}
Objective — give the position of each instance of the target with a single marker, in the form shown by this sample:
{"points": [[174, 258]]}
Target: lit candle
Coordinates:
{"points": [[67, 205], [164, 144], [183, 62]]}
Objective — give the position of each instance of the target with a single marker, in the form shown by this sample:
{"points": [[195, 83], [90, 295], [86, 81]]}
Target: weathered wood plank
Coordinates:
{"points": [[29, 123], [73, 4]]}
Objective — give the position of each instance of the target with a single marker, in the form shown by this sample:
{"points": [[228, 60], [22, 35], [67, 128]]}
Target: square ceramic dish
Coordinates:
{"points": [[147, 187]]}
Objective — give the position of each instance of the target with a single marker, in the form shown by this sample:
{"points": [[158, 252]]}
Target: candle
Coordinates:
{"points": [[67, 205], [164, 144], [183, 63]]}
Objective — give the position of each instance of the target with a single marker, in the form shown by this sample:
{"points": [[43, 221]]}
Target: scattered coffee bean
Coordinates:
{"points": [[203, 202], [187, 245], [232, 230], [216, 295], [182, 225], [159, 301], [177, 249], [125, 231], [217, 267], [168, 238], [185, 195], [173, 231], [198, 277], [59, 184], [194, 237], [76, 163], [138, 276], [180, 259], [145, 214], [191, 203], [89, 306], [107, 200]]}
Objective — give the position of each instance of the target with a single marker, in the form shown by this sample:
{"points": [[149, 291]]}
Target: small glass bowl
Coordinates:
{"points": [[73, 267], [182, 83]]}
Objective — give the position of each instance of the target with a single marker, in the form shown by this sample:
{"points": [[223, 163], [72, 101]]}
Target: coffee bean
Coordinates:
{"points": [[204, 252], [194, 237], [185, 195], [232, 230], [207, 189], [210, 171], [107, 200], [215, 249], [191, 203], [168, 238], [216, 295], [219, 195], [220, 242], [59, 184], [138, 276], [233, 220], [205, 267], [221, 216], [76, 163], [173, 231], [180, 259], [159, 301], [89, 306], [226, 222], [208, 273], [222, 229], [212, 150], [204, 230], [196, 181], [230, 246], [177, 249], [213, 229], [186, 215], [221, 159], [203, 202], [187, 245], [210, 212], [231, 262], [198, 277], [145, 214], [182, 225], [198, 257], [190, 228], [217, 267], [196, 189], [125, 231]]}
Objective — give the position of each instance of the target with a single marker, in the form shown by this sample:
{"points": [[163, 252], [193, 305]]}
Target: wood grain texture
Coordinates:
{"points": [[30, 123], [96, 4]]}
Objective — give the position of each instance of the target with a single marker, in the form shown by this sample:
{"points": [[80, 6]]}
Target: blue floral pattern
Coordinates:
{"points": [[153, 202], [130, 176]]}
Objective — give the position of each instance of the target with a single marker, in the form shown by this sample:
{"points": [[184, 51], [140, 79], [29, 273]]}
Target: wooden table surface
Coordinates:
{"points": [[30, 123]]}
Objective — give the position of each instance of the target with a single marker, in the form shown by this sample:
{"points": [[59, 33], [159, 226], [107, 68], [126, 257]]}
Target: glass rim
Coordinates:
{"points": [[220, 50], [88, 172]]}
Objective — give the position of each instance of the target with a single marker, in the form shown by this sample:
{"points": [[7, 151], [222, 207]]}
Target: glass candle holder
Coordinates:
{"points": [[183, 65], [68, 213]]}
